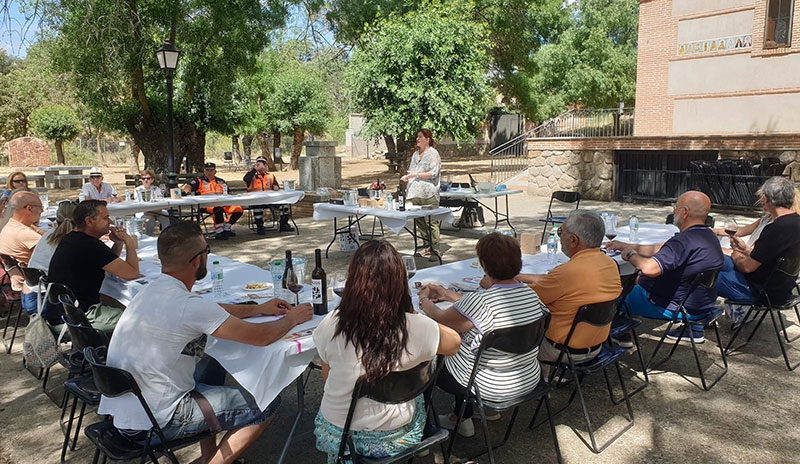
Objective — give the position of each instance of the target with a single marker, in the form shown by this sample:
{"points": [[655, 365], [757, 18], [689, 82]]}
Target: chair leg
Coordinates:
{"points": [[738, 330], [781, 344], [68, 430], [650, 363], [78, 426], [10, 343]]}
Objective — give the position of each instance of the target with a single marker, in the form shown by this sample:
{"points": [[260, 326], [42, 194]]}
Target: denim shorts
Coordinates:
{"points": [[233, 406]]}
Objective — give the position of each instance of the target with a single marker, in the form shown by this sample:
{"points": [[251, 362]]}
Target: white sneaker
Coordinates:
{"points": [[466, 428]]}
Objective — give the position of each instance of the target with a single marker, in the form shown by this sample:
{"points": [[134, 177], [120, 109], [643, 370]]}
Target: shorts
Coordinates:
{"points": [[233, 406]]}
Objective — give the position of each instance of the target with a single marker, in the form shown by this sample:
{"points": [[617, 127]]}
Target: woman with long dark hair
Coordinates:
{"points": [[373, 332]]}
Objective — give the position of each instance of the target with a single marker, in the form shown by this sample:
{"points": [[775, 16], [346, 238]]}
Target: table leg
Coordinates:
{"points": [[50, 179], [300, 406], [344, 230]]}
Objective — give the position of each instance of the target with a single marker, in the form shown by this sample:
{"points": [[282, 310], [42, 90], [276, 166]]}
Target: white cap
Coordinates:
{"points": [[96, 171]]}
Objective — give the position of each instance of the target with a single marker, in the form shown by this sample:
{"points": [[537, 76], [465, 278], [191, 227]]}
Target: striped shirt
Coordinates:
{"points": [[501, 375]]}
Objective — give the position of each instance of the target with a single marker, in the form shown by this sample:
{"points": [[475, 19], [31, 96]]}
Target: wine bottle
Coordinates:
{"points": [[319, 286], [401, 199]]}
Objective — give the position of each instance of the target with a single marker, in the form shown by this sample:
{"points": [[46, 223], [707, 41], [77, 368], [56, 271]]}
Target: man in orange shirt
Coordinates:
{"points": [[588, 277], [224, 216], [257, 180], [19, 237]]}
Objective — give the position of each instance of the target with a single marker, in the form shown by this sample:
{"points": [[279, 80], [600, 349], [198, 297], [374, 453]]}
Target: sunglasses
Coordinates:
{"points": [[206, 251], [95, 177], [19, 181], [147, 178]]}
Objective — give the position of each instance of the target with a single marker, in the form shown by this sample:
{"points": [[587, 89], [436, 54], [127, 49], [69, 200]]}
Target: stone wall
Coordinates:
{"points": [[590, 172], [27, 152]]}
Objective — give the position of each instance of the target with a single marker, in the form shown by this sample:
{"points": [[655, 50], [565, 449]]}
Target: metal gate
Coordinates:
{"points": [[647, 175]]}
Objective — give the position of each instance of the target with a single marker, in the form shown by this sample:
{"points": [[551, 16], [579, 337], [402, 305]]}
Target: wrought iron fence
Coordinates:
{"points": [[509, 158], [586, 122]]}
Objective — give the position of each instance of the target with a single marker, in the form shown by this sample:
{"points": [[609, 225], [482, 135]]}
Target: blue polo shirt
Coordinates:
{"points": [[681, 258]]}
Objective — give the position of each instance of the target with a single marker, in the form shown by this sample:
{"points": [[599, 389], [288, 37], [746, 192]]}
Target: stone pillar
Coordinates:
{"points": [[320, 167]]}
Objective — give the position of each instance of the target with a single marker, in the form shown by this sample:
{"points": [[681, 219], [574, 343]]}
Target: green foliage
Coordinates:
{"points": [[424, 69], [27, 84], [55, 122], [594, 61], [298, 100]]}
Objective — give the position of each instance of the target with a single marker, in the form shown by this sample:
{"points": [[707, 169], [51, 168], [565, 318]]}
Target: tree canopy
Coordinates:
{"points": [[109, 48], [425, 69], [56, 123], [593, 63]]}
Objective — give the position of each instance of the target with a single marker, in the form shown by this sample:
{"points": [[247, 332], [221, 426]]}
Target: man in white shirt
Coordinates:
{"points": [[96, 189], [153, 338]]}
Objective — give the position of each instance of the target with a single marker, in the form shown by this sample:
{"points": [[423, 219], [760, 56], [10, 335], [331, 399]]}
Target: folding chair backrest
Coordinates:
{"points": [[113, 382], [56, 290], [399, 387], [85, 336], [789, 266], [566, 197], [706, 279], [9, 263], [33, 277], [73, 315], [516, 340], [596, 314]]}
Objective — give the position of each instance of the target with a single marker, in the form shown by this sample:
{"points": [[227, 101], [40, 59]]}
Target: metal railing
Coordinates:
{"points": [[510, 158], [588, 122]]}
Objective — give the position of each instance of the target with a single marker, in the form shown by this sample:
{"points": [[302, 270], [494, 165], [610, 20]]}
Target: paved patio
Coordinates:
{"points": [[749, 416]]}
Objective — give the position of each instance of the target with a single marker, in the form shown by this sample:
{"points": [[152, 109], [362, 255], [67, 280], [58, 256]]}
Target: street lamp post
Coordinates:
{"points": [[167, 55]]}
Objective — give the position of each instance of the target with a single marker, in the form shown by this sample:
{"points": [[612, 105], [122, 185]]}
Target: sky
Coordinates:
{"points": [[16, 31]]}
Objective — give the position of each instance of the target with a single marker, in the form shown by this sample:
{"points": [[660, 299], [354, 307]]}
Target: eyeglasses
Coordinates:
{"points": [[206, 251], [560, 231], [147, 178], [19, 181]]}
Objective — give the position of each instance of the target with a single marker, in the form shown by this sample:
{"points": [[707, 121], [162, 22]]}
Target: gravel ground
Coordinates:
{"points": [[749, 416]]}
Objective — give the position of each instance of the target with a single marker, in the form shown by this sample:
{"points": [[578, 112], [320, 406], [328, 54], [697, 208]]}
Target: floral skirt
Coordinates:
{"points": [[372, 443]]}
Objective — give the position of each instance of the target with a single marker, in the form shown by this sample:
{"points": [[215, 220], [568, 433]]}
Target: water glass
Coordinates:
{"points": [[45, 199], [411, 266], [338, 282]]}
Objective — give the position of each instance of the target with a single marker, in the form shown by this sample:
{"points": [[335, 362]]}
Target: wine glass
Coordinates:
{"points": [[610, 221], [731, 227], [293, 284], [338, 282], [411, 266]]}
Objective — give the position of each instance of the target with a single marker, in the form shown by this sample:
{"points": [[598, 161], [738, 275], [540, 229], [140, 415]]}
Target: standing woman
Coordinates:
{"points": [[424, 175], [374, 331]]}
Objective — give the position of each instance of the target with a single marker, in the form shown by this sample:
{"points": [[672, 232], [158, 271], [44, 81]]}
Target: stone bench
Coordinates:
{"points": [[58, 178]]}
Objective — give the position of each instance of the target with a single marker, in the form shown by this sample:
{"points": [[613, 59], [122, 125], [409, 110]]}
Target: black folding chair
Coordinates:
{"points": [[563, 197], [12, 297], [513, 340], [113, 382], [765, 304], [623, 323], [597, 315], [395, 388], [81, 388], [705, 279]]}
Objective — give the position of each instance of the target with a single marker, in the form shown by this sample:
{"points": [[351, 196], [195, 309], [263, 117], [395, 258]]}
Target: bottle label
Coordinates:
{"points": [[316, 291]]}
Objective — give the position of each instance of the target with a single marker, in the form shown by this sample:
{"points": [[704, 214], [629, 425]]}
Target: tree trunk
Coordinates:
{"points": [[101, 157], [190, 143], [263, 140], [297, 147], [133, 155], [390, 146], [237, 156], [406, 148], [60, 152], [247, 143], [276, 145]]}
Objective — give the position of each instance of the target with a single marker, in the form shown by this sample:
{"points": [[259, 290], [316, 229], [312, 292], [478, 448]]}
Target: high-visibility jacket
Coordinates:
{"points": [[259, 182], [203, 186]]}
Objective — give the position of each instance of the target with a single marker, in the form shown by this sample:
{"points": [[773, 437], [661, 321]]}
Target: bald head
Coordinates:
{"points": [[691, 209], [27, 207]]}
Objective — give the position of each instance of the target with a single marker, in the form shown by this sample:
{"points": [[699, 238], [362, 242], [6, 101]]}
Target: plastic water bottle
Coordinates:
{"points": [[81, 197], [217, 284], [127, 195], [633, 225], [224, 189], [389, 202], [552, 245]]}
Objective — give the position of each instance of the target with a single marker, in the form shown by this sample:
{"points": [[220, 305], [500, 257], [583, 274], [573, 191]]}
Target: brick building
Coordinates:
{"points": [[716, 79]]}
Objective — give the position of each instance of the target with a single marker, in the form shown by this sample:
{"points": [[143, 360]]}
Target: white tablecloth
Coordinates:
{"points": [[467, 194], [649, 233], [394, 220], [264, 371], [129, 208]]}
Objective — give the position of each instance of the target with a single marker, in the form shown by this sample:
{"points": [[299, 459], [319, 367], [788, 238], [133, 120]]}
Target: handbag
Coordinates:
{"points": [[40, 347]]}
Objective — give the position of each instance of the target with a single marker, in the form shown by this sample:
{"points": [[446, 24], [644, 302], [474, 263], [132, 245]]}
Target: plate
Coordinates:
{"points": [[257, 286], [475, 264]]}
